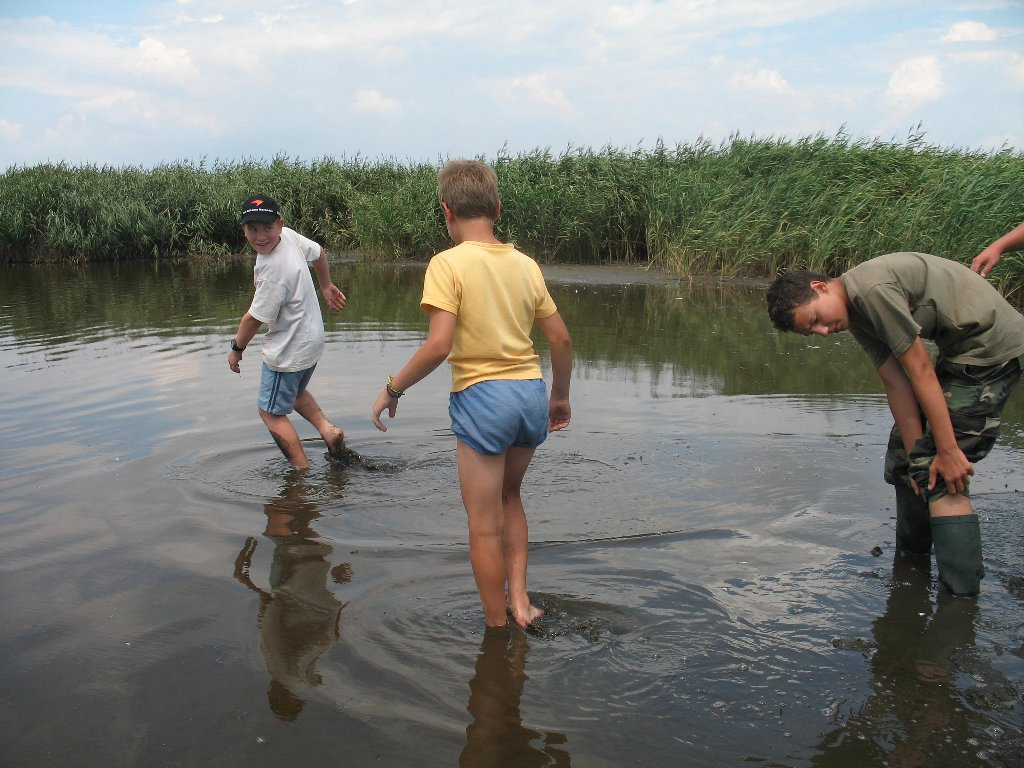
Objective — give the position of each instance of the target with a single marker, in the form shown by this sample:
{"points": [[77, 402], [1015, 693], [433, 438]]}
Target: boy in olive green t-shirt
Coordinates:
{"points": [[946, 414]]}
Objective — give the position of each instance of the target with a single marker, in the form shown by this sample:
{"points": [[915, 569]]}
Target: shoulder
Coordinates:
{"points": [[298, 240]]}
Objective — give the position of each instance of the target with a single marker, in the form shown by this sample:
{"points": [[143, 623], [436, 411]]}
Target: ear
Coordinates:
{"points": [[448, 216], [819, 286], [498, 216]]}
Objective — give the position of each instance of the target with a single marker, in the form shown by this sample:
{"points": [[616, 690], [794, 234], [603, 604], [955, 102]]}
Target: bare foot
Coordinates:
{"points": [[339, 452], [336, 443], [527, 617]]}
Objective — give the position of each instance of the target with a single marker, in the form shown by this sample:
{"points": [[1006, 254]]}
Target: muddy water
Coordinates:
{"points": [[711, 540]]}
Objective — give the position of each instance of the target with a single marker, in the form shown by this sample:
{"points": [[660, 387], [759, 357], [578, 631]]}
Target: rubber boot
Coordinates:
{"points": [[913, 524], [958, 553]]}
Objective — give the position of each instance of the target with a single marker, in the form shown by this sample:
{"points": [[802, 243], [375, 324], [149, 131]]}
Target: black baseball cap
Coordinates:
{"points": [[260, 208]]}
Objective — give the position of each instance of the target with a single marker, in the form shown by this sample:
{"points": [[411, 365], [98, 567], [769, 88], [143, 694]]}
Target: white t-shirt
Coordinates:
{"points": [[286, 300]]}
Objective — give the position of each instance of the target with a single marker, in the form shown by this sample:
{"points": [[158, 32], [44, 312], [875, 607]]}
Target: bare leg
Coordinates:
{"points": [[307, 407], [951, 505], [480, 481], [956, 534], [516, 536], [287, 439]]}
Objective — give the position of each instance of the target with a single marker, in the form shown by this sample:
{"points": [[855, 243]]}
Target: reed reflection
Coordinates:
{"points": [[497, 737], [915, 715], [298, 616]]}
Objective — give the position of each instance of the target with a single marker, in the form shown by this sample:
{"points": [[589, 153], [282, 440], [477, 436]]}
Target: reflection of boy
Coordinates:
{"points": [[285, 299], [947, 414], [299, 617], [497, 736], [484, 297]]}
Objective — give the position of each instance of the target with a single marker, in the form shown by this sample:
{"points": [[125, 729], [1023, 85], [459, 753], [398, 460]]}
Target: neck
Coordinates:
{"points": [[838, 289], [479, 230]]}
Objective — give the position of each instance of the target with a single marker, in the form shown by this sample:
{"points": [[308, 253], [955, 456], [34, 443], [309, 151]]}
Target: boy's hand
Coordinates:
{"points": [[384, 402], [955, 469], [559, 415], [234, 358], [334, 297], [986, 260]]}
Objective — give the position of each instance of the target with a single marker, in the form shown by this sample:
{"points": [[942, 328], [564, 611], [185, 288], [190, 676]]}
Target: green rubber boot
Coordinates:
{"points": [[958, 553], [913, 523]]}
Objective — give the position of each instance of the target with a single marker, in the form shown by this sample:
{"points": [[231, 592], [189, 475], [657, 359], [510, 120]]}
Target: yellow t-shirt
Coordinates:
{"points": [[496, 293]]}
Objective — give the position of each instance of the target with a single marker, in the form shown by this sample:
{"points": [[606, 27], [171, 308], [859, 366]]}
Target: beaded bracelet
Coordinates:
{"points": [[391, 390]]}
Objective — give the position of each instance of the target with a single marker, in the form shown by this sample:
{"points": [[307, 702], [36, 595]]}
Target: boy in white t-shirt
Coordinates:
{"points": [[285, 299]]}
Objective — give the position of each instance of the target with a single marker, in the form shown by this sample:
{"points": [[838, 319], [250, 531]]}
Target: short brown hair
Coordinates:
{"points": [[788, 292], [469, 188]]}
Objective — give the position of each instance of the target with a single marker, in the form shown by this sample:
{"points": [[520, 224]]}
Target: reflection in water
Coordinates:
{"points": [[298, 618], [914, 716], [497, 736]]}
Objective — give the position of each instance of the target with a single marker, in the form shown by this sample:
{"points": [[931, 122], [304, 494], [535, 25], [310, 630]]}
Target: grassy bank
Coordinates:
{"points": [[749, 207]]}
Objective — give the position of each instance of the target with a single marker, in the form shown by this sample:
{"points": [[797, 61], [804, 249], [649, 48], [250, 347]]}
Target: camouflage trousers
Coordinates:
{"points": [[975, 396]]}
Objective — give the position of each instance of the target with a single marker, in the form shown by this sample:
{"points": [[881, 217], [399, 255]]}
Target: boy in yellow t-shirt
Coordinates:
{"points": [[483, 297]]}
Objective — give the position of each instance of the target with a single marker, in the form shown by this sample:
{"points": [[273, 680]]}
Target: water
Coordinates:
{"points": [[703, 538]]}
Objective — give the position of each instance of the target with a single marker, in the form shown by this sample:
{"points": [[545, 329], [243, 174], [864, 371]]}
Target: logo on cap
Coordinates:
{"points": [[260, 208]]}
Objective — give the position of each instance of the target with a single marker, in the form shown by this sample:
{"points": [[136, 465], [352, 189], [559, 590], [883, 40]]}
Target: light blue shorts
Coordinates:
{"points": [[279, 389], [493, 416]]}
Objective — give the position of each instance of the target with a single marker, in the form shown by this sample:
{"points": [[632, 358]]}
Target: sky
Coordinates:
{"points": [[148, 82]]}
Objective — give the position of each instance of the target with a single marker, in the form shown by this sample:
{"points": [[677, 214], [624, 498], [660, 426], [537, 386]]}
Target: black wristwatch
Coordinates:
{"points": [[236, 348]]}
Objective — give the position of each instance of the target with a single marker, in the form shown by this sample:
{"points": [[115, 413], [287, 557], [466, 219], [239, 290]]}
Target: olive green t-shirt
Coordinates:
{"points": [[895, 298]]}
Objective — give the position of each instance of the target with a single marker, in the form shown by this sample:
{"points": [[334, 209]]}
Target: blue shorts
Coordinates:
{"points": [[493, 416], [279, 389]]}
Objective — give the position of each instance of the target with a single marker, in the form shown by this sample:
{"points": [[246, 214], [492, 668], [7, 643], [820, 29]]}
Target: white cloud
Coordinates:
{"points": [[10, 131], [107, 100], [375, 101], [969, 32], [762, 81], [915, 81], [216, 18], [155, 59], [534, 92]]}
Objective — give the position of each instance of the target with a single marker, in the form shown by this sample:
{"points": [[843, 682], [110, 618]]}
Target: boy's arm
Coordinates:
{"points": [[911, 385], [332, 294], [247, 328], [554, 330], [432, 353], [988, 258]]}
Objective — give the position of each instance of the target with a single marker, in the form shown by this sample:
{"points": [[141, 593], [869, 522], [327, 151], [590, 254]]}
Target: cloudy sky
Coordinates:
{"points": [[142, 82]]}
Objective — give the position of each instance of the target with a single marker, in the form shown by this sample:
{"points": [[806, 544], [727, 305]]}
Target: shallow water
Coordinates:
{"points": [[711, 540]]}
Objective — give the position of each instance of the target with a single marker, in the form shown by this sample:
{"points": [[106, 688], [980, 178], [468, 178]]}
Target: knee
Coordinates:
{"points": [[511, 493]]}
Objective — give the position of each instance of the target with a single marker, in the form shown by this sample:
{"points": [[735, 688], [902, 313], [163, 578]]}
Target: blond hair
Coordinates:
{"points": [[469, 188]]}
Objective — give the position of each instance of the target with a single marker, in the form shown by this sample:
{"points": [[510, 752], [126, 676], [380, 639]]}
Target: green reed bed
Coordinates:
{"points": [[746, 207]]}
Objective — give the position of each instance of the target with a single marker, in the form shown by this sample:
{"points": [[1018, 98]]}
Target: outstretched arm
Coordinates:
{"points": [[432, 353], [332, 294], [988, 258], [554, 330]]}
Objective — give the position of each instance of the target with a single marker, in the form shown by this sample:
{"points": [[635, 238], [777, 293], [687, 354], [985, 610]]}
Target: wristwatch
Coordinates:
{"points": [[235, 347]]}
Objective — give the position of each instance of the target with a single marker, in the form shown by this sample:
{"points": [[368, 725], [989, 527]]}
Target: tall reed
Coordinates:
{"points": [[746, 207]]}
